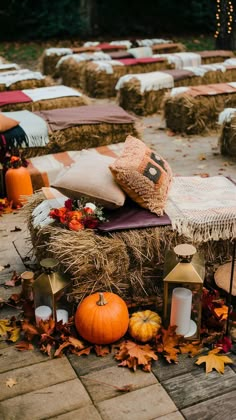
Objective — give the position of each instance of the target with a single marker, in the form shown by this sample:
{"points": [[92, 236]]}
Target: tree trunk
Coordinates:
{"points": [[88, 13]]}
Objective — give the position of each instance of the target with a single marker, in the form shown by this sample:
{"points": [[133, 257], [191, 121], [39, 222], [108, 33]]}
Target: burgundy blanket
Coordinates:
{"points": [[131, 216], [145, 60], [179, 74], [13, 97], [60, 119]]}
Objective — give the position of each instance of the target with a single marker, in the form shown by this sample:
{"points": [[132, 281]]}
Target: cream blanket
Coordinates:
{"points": [[107, 66], [201, 70], [50, 92], [141, 52], [152, 41], [182, 59], [226, 115], [230, 62], [148, 81], [34, 127], [58, 51], [203, 209], [8, 78], [78, 58], [9, 66]]}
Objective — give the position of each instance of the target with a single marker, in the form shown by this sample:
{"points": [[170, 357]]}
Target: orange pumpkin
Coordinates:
{"points": [[18, 183], [102, 318]]}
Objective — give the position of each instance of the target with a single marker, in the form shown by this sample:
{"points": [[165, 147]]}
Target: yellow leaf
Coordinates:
{"points": [[10, 382], [4, 327], [14, 335], [214, 361], [222, 312]]}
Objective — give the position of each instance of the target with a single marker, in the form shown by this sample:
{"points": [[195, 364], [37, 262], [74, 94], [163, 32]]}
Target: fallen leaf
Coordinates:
{"points": [[170, 133], [15, 280], [222, 312], [214, 361], [191, 349], [5, 327], [101, 350], [81, 352], [167, 343], [24, 345], [2, 267], [202, 157], [10, 382], [76, 343], [61, 347], [132, 355], [14, 334], [46, 349], [29, 330], [17, 229]]}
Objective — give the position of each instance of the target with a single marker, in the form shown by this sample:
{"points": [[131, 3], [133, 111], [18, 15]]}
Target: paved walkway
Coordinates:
{"points": [[84, 387]]}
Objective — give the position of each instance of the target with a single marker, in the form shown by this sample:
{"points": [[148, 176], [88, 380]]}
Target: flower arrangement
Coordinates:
{"points": [[14, 161], [77, 216]]}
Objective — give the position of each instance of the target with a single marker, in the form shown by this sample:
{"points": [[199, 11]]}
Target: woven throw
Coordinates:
{"points": [[50, 92], [148, 81], [203, 209], [35, 127]]}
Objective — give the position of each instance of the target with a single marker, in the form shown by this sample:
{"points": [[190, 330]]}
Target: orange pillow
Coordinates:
{"points": [[7, 123], [143, 174]]}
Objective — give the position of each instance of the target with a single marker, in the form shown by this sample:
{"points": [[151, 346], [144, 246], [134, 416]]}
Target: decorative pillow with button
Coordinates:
{"points": [[143, 174]]}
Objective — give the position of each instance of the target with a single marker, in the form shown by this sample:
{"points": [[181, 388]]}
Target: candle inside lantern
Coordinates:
{"points": [[181, 304], [42, 313], [62, 315]]}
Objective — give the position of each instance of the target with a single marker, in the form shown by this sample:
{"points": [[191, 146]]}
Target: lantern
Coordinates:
{"points": [[49, 292], [184, 272]]}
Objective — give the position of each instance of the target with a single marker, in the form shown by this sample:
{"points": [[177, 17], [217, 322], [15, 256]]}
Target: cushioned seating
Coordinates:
{"points": [[144, 93], [195, 109], [22, 79], [64, 129], [51, 97]]}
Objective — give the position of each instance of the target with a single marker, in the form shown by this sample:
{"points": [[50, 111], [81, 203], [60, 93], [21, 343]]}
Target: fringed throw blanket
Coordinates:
{"points": [[35, 128], [203, 209]]}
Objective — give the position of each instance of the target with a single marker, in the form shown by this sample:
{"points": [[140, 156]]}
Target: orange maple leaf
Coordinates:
{"points": [[24, 345], [132, 355], [167, 343], [101, 350], [214, 361], [222, 312], [85, 351], [191, 349]]}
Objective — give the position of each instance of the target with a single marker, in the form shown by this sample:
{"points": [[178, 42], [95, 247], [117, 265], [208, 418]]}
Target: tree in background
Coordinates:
{"points": [[225, 33]]}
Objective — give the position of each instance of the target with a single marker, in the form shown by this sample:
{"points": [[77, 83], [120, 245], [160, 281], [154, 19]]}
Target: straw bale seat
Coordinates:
{"points": [[143, 93], [44, 98], [195, 110], [171, 47], [74, 128], [227, 138], [128, 262], [101, 77], [215, 56], [23, 79]]}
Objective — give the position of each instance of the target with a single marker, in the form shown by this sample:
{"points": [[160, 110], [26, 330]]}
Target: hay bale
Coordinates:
{"points": [[28, 84], [131, 98], [72, 73], [84, 136], [100, 84], [227, 139], [215, 56], [66, 102], [194, 115], [129, 263], [168, 48]]}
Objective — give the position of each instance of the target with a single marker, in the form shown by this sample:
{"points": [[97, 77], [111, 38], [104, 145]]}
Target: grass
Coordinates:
{"points": [[27, 54]]}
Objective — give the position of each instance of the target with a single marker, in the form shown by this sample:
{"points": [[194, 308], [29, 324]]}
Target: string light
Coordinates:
{"points": [[229, 13]]}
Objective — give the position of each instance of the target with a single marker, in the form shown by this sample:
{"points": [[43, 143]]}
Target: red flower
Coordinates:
{"points": [[90, 222], [88, 210], [69, 204]]}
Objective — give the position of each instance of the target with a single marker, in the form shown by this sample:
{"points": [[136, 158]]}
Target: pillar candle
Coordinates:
{"points": [[42, 313], [62, 315], [181, 304]]}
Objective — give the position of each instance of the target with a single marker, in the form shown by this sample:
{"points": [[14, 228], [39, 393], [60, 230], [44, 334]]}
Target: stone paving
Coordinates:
{"points": [[84, 387]]}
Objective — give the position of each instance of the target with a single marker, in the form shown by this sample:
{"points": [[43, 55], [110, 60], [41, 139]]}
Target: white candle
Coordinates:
{"points": [[181, 304], [62, 315], [42, 313]]}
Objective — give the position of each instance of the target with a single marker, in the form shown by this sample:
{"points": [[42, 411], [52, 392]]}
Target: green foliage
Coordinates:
{"points": [[27, 19]]}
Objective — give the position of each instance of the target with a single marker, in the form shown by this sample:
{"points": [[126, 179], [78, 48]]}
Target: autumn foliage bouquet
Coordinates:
{"points": [[77, 216]]}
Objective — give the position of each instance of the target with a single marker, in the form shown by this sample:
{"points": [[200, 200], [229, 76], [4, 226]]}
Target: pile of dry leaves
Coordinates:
{"points": [[54, 339]]}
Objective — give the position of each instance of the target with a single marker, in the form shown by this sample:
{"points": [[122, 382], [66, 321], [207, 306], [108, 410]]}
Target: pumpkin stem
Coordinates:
{"points": [[102, 301]]}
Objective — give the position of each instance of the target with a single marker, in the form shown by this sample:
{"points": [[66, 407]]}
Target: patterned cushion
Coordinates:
{"points": [[143, 174]]}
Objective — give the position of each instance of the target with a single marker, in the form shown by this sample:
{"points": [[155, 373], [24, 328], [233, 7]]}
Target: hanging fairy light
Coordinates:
{"points": [[224, 17]]}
